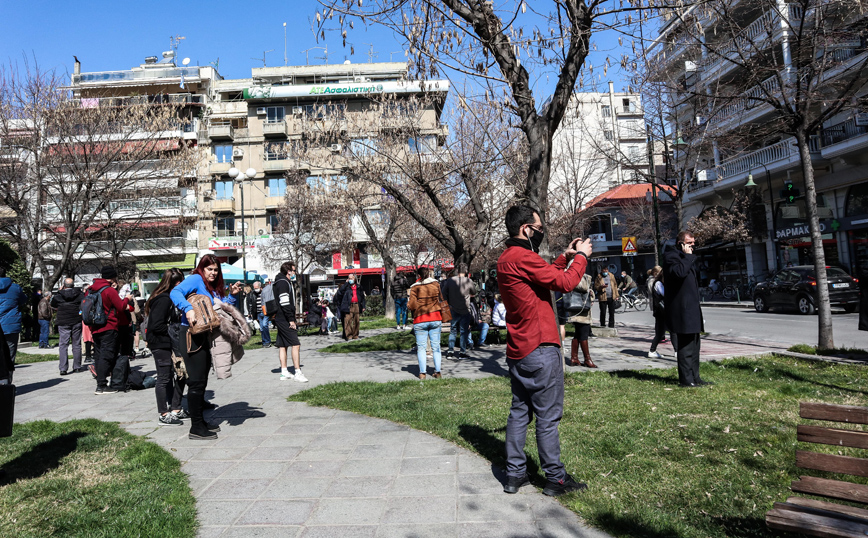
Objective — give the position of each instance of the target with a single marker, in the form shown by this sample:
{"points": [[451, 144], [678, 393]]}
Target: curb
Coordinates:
{"points": [[726, 305]]}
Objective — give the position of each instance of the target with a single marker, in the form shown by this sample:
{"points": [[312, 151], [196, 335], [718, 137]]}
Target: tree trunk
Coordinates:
{"points": [[388, 300], [824, 310]]}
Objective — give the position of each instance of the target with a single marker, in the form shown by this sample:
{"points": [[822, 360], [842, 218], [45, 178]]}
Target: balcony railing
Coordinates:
{"points": [[129, 100], [274, 128], [843, 131], [749, 99], [142, 207], [101, 77], [151, 244], [220, 131]]}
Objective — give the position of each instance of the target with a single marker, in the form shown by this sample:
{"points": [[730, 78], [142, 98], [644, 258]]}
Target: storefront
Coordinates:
{"points": [[855, 223], [794, 236]]}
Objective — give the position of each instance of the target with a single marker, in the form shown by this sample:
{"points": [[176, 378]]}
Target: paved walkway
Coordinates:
{"points": [[287, 469]]}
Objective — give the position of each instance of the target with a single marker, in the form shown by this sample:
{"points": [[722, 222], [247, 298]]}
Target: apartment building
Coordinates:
{"points": [[265, 123], [724, 72], [600, 144]]}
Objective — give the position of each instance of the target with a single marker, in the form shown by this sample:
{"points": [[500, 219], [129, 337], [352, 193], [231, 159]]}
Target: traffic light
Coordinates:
{"points": [[790, 193]]}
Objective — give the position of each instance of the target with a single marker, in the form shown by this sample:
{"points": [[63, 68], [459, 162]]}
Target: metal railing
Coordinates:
{"points": [[748, 99], [843, 131], [149, 244], [99, 77], [140, 206], [129, 100]]}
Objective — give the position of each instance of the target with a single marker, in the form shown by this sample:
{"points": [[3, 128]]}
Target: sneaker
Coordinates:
{"points": [[92, 370], [64, 372], [286, 376], [181, 414], [170, 419], [462, 355], [88, 360], [449, 353], [105, 390], [203, 436], [514, 483], [212, 427], [654, 355], [482, 345], [568, 484], [300, 377]]}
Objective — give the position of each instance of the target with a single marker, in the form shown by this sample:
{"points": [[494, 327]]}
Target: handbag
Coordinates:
{"points": [[576, 301], [445, 311], [7, 404]]}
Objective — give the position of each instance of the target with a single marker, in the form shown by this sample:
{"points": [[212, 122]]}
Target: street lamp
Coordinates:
{"points": [[750, 183], [239, 176]]}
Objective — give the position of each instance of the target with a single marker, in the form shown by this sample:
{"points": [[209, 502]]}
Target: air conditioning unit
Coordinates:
{"points": [[208, 194], [298, 110], [261, 231], [335, 147], [260, 111], [700, 120], [237, 153], [790, 212], [359, 80]]}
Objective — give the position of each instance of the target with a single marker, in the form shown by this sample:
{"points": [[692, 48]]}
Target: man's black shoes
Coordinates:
{"points": [[514, 483], [567, 485], [704, 383]]}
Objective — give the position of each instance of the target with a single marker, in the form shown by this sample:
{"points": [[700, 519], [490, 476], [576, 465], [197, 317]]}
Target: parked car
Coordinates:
{"points": [[796, 287]]}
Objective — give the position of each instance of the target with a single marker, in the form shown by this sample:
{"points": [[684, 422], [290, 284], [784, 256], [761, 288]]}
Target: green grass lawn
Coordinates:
{"points": [[661, 461], [90, 479]]}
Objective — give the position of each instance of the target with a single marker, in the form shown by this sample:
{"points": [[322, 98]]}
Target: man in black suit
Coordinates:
{"points": [[683, 313]]}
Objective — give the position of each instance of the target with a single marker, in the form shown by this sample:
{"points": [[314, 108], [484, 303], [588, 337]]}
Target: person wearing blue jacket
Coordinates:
{"points": [[206, 279], [12, 299]]}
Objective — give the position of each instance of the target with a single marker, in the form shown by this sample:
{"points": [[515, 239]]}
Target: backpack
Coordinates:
{"points": [[206, 317], [269, 302], [92, 312]]}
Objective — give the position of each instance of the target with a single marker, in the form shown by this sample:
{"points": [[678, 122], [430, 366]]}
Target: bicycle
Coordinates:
{"points": [[638, 302]]}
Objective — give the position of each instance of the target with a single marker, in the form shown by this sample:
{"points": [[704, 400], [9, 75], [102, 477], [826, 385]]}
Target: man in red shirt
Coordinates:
{"points": [[533, 355], [105, 338]]}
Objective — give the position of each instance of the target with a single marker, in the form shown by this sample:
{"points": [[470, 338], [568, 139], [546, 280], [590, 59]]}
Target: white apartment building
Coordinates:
{"points": [[600, 144], [728, 141]]}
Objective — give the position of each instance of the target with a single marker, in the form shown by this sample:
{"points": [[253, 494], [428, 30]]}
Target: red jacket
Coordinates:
{"points": [[111, 303], [525, 281]]}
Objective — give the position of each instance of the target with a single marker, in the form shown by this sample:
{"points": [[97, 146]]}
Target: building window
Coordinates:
{"points": [[608, 135], [277, 187], [423, 144], [223, 190], [606, 110], [224, 226], [276, 151], [363, 147], [222, 153], [275, 114], [634, 153], [272, 221], [628, 106]]}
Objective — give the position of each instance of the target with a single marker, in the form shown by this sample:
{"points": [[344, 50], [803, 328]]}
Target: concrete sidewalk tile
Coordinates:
{"points": [[334, 440], [479, 484], [278, 512], [440, 530], [210, 531], [339, 531], [198, 485], [567, 528], [498, 529], [320, 454], [363, 452], [256, 469], [471, 463], [348, 512], [435, 448], [216, 453], [381, 467], [428, 465], [220, 512], [289, 486], [500, 507], [326, 468], [295, 428], [426, 509], [431, 484], [253, 531], [241, 441], [273, 454], [206, 469], [236, 488], [359, 486], [279, 441]]}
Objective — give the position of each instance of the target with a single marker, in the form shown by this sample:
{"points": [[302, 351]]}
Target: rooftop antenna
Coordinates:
{"points": [[371, 53], [263, 57], [307, 54], [396, 52], [174, 41], [284, 45], [324, 57]]}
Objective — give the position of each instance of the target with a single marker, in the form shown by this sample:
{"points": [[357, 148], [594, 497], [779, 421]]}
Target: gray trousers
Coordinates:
{"points": [[67, 333], [687, 349], [537, 383]]}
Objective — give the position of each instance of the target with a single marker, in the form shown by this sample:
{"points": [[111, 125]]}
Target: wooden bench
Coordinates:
{"points": [[301, 323], [495, 330], [821, 518]]}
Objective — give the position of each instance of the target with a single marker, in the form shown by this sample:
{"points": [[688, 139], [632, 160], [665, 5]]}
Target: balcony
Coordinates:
{"points": [[845, 137], [102, 78], [275, 128], [130, 248], [631, 110], [752, 39], [277, 164], [130, 100], [746, 106], [220, 167], [223, 205], [273, 202], [221, 132], [732, 173]]}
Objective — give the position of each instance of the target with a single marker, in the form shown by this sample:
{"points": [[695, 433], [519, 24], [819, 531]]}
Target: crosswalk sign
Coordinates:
{"points": [[628, 246]]}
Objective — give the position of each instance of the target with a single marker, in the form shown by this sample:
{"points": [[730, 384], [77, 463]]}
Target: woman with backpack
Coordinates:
{"points": [[657, 308], [582, 325], [161, 313], [207, 280]]}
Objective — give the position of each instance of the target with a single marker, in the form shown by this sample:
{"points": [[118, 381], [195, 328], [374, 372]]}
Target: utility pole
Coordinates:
{"points": [[284, 45], [653, 175]]}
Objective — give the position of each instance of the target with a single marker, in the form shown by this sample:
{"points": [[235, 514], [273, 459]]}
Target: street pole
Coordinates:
{"points": [[774, 216], [653, 175], [243, 231]]}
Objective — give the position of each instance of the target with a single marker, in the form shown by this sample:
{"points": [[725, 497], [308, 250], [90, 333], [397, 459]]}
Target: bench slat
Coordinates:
{"points": [[831, 463], [839, 413], [829, 507], [813, 524], [834, 489], [832, 436]]}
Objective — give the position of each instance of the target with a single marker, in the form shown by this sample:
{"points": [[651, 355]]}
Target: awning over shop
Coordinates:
{"points": [[235, 274], [365, 271], [185, 264]]}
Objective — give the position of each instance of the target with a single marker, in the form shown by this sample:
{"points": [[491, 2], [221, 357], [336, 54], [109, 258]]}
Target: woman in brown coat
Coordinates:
{"points": [[607, 293], [425, 303]]}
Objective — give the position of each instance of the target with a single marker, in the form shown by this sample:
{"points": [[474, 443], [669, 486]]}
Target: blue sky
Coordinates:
{"points": [[118, 35]]}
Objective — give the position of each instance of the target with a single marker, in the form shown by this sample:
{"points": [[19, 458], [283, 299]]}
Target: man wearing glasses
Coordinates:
{"points": [[683, 313]]}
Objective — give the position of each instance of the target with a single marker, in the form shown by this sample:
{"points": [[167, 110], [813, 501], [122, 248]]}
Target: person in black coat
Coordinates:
{"points": [[350, 309], [161, 313], [67, 302], [863, 299], [682, 312]]}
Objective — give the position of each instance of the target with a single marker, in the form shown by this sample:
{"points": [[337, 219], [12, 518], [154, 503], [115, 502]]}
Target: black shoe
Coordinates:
{"points": [[208, 405], [687, 385], [462, 355], [514, 483], [449, 353], [704, 383], [212, 427], [88, 360], [202, 435], [79, 370], [64, 372], [556, 489], [482, 345]]}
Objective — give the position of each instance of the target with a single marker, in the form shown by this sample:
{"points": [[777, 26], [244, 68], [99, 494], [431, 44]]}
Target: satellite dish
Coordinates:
{"points": [[185, 61]]}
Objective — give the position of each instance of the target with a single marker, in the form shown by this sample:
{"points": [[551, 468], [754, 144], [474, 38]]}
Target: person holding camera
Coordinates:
{"points": [[682, 313]]}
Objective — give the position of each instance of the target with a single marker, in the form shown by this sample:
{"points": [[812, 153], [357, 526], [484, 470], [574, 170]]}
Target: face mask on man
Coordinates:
{"points": [[350, 281], [292, 278], [535, 240]]}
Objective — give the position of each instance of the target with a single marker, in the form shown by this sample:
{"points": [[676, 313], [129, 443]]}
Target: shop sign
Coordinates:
{"points": [[628, 246], [318, 277], [227, 244], [304, 90], [798, 231], [599, 260], [861, 119]]}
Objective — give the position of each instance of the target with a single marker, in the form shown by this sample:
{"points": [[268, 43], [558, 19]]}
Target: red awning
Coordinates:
{"points": [[365, 271]]}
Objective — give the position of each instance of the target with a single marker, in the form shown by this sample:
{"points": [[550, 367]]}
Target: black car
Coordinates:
{"points": [[796, 287]]}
